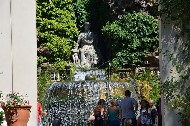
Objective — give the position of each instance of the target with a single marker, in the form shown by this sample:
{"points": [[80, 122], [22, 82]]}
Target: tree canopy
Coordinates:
{"points": [[132, 37]]}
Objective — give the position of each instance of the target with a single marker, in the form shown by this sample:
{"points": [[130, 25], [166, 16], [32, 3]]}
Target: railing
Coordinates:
{"points": [[97, 74]]}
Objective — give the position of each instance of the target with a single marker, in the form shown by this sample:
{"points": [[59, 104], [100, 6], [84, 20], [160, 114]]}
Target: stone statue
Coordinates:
{"points": [[87, 48], [75, 55], [76, 59]]}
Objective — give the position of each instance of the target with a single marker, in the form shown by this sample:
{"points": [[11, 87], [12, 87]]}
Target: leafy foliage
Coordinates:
{"points": [[132, 37], [13, 99], [183, 105], [120, 7], [1, 118], [148, 84], [175, 11], [42, 83], [56, 26], [82, 13]]}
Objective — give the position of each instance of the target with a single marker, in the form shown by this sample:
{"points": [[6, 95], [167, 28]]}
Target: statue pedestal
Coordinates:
{"points": [[81, 74]]}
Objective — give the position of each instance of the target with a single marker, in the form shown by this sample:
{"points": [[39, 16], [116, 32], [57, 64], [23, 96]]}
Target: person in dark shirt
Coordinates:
{"points": [[56, 121], [159, 112], [153, 111], [99, 113]]}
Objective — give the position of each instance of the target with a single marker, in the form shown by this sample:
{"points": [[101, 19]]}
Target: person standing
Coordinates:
{"points": [[113, 114], [153, 111], [39, 111], [145, 114], [56, 121], [128, 108], [99, 113], [159, 112]]}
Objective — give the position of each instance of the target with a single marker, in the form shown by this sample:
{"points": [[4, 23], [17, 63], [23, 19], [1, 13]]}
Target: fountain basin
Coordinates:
{"points": [[74, 101]]}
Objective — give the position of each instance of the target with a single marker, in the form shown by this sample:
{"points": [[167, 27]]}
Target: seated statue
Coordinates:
{"points": [[86, 44]]}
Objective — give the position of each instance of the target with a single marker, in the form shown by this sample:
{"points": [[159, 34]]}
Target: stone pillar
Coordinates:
{"points": [[18, 50], [167, 33]]}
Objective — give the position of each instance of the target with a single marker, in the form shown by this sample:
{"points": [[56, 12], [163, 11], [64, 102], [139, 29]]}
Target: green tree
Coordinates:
{"points": [[132, 37], [81, 11], [56, 27]]}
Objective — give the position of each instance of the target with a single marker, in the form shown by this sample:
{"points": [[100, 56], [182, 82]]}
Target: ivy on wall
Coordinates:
{"points": [[176, 89]]}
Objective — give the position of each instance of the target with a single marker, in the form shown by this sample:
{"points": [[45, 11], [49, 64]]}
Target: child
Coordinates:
{"points": [[91, 119], [128, 122], [153, 112], [145, 114]]}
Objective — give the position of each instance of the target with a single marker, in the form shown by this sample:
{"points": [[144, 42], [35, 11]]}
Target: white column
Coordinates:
{"points": [[24, 48], [5, 47], [18, 50]]}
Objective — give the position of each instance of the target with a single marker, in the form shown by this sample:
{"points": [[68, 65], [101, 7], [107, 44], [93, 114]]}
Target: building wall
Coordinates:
{"points": [[18, 58], [167, 41]]}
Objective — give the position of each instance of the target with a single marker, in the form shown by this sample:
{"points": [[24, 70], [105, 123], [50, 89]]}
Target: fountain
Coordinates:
{"points": [[75, 100]]}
